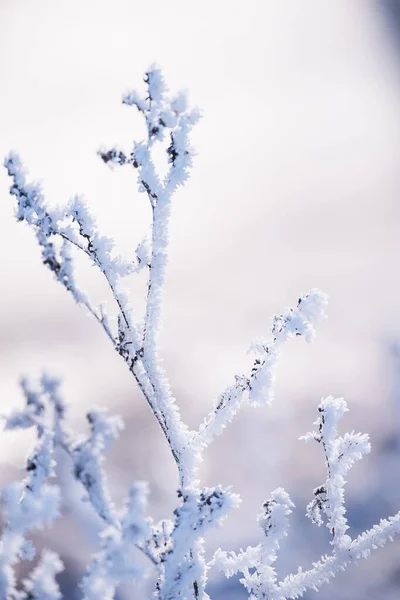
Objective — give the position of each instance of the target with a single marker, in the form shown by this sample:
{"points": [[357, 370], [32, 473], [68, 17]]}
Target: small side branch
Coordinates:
{"points": [[259, 383], [340, 455], [294, 586]]}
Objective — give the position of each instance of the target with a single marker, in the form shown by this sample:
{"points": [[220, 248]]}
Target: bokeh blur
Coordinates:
{"points": [[296, 185]]}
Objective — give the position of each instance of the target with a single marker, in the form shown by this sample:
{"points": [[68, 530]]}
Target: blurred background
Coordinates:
{"points": [[296, 185]]}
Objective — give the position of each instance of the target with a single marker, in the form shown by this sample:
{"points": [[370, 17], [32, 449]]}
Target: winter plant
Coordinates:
{"points": [[174, 548]]}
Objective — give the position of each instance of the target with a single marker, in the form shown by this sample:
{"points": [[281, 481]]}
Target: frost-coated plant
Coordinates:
{"points": [[175, 547]]}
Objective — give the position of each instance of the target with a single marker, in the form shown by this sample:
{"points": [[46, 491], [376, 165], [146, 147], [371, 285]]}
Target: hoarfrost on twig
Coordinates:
{"points": [[174, 547]]}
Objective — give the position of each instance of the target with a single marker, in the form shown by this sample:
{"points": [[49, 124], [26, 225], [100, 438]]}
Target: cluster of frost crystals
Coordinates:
{"points": [[41, 584], [257, 387], [33, 503], [30, 504], [88, 458], [256, 563], [340, 455], [183, 570], [116, 562], [129, 540]]}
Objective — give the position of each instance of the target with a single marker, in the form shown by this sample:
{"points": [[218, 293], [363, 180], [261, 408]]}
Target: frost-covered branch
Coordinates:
{"points": [[116, 562], [174, 547], [327, 567], [258, 384], [340, 455], [126, 530], [42, 584], [57, 231], [74, 226], [259, 576], [255, 563], [30, 504], [184, 570]]}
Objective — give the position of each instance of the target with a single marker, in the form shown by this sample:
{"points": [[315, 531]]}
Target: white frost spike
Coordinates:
{"points": [[117, 563], [180, 103], [274, 517], [340, 455], [156, 84], [313, 305], [88, 460], [143, 253], [42, 584]]}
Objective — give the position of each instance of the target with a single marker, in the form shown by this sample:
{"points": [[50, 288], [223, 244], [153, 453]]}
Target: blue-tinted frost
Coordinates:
{"points": [[173, 548]]}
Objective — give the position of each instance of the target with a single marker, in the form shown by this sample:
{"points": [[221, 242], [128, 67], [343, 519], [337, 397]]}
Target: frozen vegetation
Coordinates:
{"points": [[174, 548]]}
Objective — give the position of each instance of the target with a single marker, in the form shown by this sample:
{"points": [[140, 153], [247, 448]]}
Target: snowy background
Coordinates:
{"points": [[296, 185]]}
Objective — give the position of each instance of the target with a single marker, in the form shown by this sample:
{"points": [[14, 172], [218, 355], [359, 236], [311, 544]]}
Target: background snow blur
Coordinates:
{"points": [[296, 185]]}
